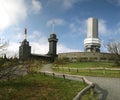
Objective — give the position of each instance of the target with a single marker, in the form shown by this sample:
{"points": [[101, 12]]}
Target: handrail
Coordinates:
{"points": [[99, 68], [83, 91]]}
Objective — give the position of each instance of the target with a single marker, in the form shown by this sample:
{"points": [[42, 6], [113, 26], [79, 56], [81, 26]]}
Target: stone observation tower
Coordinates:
{"points": [[24, 49], [52, 42], [92, 43]]}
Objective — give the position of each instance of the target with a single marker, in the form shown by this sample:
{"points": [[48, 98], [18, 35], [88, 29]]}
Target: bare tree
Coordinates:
{"points": [[7, 67], [3, 46], [114, 48]]}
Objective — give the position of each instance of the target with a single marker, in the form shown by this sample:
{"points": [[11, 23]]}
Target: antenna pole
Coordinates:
{"points": [[25, 33], [53, 26]]}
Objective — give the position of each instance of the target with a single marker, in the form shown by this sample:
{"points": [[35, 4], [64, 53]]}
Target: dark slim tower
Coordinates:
{"points": [[52, 42], [24, 49], [52, 45]]}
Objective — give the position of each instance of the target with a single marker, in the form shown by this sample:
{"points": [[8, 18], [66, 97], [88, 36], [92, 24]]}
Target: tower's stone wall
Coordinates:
{"points": [[52, 45], [24, 50]]}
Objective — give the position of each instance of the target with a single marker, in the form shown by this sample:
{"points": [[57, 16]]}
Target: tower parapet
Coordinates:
{"points": [[92, 43]]}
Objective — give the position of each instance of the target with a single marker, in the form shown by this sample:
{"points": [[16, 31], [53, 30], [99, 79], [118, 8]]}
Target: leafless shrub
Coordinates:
{"points": [[114, 48]]}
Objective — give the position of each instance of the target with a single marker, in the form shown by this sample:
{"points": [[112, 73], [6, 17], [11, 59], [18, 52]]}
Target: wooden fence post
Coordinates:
{"points": [[64, 76], [83, 80], [77, 70], [92, 89], [89, 70], [44, 73], [104, 71], [53, 75], [69, 69]]}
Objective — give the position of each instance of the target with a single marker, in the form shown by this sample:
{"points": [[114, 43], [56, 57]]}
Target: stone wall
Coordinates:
{"points": [[87, 56]]}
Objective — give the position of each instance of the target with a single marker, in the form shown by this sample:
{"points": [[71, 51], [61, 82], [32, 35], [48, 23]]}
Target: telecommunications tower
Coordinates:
{"points": [[92, 43]]}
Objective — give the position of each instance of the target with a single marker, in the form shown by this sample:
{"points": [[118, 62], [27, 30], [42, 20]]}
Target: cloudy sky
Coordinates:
{"points": [[70, 22]]}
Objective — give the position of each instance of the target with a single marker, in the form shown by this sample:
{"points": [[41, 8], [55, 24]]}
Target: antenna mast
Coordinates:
{"points": [[53, 26], [25, 34]]}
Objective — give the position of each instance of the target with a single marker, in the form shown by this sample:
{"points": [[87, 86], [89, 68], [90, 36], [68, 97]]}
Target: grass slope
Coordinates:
{"points": [[88, 72], [88, 64], [39, 87]]}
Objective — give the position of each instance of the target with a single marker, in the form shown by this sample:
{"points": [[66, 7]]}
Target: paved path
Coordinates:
{"points": [[108, 88]]}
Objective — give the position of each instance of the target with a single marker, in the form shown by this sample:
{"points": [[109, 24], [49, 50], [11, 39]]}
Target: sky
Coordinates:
{"points": [[70, 18]]}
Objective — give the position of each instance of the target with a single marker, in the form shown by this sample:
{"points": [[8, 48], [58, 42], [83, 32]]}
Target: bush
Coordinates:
{"points": [[33, 66], [62, 61]]}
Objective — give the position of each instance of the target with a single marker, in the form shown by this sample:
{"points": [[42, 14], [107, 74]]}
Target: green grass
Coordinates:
{"points": [[101, 73], [87, 72], [89, 64], [40, 87], [89, 97]]}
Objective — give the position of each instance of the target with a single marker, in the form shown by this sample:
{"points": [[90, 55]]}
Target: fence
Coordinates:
{"points": [[103, 70], [81, 78]]}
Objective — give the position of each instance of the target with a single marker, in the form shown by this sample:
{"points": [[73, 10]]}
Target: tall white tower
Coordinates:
{"points": [[92, 43]]}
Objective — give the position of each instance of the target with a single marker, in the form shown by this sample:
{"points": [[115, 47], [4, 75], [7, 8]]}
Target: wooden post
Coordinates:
{"points": [[92, 91], [104, 71], [77, 70], [89, 70], [69, 69], [53, 75], [64, 76], [44, 73], [83, 80]]}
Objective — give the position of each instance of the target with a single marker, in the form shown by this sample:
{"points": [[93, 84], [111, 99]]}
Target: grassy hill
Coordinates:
{"points": [[39, 87]]}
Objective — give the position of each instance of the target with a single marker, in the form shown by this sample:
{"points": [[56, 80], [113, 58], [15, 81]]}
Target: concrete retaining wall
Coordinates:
{"points": [[87, 56]]}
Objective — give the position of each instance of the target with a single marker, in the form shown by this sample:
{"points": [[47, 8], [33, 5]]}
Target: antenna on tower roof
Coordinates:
{"points": [[25, 34], [53, 26]]}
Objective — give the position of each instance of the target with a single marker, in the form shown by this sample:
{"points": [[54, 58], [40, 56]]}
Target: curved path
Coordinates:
{"points": [[108, 88]]}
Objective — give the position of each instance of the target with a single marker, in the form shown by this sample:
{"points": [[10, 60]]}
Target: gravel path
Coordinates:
{"points": [[108, 88]]}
